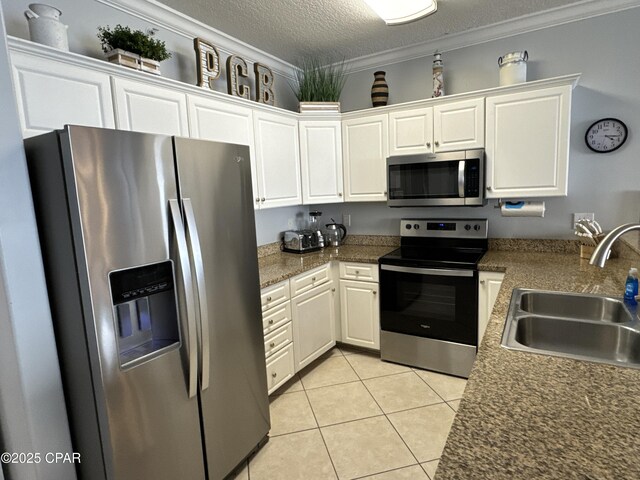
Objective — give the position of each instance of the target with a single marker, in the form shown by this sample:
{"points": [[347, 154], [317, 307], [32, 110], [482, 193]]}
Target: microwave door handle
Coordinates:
{"points": [[201, 291], [461, 169], [185, 269]]}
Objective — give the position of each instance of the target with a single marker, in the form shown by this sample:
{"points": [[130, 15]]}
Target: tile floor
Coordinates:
{"points": [[350, 415]]}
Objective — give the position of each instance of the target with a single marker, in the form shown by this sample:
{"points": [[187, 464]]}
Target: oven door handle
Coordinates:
{"points": [[441, 272], [461, 168]]}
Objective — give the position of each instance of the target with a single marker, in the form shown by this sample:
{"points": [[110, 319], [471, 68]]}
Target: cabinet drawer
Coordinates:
{"points": [[274, 295], [280, 368], [308, 280], [277, 339], [367, 272], [276, 317]]}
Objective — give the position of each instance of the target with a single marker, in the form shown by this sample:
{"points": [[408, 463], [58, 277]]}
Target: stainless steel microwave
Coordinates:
{"points": [[442, 179]]}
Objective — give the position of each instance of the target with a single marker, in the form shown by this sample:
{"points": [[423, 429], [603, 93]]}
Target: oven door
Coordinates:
{"points": [[444, 179], [430, 302]]}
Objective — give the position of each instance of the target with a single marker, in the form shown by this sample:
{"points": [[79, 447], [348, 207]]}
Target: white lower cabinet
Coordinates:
{"points": [[360, 313], [489, 286], [280, 368], [313, 323]]}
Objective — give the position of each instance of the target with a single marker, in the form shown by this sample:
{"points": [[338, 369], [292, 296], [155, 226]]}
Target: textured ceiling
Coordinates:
{"points": [[337, 29]]}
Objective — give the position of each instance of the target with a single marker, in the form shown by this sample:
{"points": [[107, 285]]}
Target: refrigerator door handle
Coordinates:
{"points": [[201, 290], [185, 268]]}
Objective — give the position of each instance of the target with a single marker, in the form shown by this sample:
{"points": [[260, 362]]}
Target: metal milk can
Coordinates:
{"points": [[513, 68], [45, 26]]}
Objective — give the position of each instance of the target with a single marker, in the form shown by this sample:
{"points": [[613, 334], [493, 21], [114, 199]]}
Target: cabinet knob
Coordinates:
{"points": [[271, 322], [262, 199], [272, 344], [357, 272], [333, 289], [437, 143], [340, 194], [429, 144], [257, 199], [313, 279], [268, 299], [274, 374], [489, 188], [482, 282], [375, 292], [385, 192]]}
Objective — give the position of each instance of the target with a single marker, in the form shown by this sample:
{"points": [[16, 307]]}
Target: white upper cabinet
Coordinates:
{"points": [[321, 161], [411, 131], [143, 107], [51, 94], [277, 159], [458, 125], [212, 119], [527, 147], [365, 151]]}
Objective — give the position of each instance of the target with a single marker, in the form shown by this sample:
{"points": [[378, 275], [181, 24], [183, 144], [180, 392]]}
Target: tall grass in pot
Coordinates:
{"points": [[318, 86]]}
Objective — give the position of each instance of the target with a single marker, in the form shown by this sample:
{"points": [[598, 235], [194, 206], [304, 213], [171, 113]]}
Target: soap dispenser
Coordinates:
{"points": [[631, 287]]}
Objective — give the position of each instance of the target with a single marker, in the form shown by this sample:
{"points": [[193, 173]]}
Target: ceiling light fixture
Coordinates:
{"points": [[397, 12]]}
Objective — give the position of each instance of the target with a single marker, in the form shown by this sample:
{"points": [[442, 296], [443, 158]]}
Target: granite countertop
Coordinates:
{"points": [[527, 416], [280, 266]]}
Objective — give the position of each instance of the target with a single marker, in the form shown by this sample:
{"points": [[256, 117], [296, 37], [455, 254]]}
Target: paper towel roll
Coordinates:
{"points": [[522, 209]]}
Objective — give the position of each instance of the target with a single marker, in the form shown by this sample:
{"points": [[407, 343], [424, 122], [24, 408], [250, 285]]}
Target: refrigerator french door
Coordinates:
{"points": [[149, 250]]}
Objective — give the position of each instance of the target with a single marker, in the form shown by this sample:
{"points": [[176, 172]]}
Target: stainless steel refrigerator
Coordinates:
{"points": [[150, 255]]}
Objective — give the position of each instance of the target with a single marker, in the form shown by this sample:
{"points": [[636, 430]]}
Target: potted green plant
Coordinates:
{"points": [[133, 48], [318, 86]]}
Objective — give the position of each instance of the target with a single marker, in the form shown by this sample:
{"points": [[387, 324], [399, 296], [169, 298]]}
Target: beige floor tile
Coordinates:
{"points": [[328, 371], [347, 350], [408, 473], [448, 387], [297, 456], [291, 412], [424, 429], [401, 392], [342, 403], [370, 366], [293, 385], [454, 404], [430, 468], [365, 447], [334, 352]]}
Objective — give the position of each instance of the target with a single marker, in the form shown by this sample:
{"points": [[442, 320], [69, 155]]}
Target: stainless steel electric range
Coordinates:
{"points": [[429, 294]]}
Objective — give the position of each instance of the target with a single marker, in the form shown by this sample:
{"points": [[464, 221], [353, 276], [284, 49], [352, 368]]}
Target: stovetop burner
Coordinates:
{"points": [[438, 243]]}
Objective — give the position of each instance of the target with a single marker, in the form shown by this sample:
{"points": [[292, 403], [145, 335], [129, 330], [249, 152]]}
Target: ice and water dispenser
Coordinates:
{"points": [[145, 311]]}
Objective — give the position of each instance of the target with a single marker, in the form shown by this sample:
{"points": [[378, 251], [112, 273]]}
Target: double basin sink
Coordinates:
{"points": [[595, 328]]}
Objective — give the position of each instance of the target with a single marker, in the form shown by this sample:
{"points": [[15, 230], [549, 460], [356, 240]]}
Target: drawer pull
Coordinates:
{"points": [[429, 144], [274, 374], [313, 279], [271, 321], [268, 299], [375, 292], [437, 143], [357, 272], [272, 344], [333, 289], [262, 199]]}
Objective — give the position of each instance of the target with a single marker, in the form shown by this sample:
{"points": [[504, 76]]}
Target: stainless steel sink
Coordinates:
{"points": [[595, 328]]}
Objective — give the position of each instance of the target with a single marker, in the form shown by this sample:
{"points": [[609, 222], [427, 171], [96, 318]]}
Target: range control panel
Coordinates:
{"points": [[444, 228]]}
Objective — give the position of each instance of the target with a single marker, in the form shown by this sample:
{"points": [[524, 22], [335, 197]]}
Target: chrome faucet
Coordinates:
{"points": [[602, 251]]}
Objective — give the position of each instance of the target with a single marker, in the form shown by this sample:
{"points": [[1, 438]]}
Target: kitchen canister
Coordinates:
{"points": [[438, 76], [379, 90], [513, 68], [45, 26]]}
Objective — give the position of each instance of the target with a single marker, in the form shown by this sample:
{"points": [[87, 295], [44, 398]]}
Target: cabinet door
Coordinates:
{"points": [[528, 143], [489, 286], [277, 159], [313, 324], [211, 119], [365, 152], [411, 131], [143, 107], [458, 125], [360, 313], [52, 94], [321, 161]]}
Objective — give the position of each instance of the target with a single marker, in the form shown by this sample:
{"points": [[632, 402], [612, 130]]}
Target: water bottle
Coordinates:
{"points": [[631, 287]]}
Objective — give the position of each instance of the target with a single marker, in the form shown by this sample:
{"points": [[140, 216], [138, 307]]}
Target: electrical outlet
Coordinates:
{"points": [[346, 219], [582, 216]]}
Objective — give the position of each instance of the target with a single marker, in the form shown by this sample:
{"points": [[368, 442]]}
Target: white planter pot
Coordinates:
{"points": [[319, 107], [45, 26], [132, 60]]}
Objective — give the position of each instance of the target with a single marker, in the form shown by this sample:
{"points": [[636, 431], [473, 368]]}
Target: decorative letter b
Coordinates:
{"points": [[264, 84]]}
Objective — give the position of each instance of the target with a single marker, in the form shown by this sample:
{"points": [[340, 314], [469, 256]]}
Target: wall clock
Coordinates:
{"points": [[606, 135]]}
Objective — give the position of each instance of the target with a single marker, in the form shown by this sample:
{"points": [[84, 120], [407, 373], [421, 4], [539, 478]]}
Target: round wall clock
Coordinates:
{"points": [[606, 135]]}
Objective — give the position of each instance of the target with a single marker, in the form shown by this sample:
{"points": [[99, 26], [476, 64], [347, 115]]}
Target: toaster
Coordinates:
{"points": [[302, 241]]}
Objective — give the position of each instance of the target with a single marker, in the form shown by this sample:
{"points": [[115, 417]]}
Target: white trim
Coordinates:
{"points": [[169, 19], [527, 23]]}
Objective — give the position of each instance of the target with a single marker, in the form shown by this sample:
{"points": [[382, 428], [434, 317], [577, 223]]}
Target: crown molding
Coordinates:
{"points": [[528, 23], [171, 20]]}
